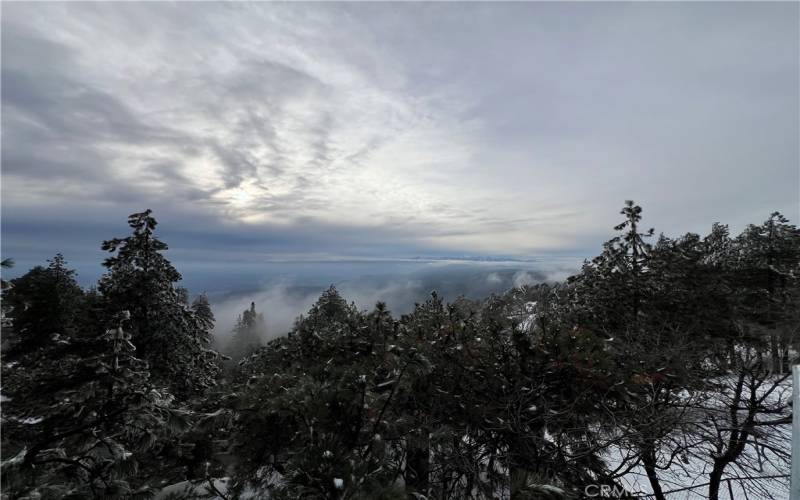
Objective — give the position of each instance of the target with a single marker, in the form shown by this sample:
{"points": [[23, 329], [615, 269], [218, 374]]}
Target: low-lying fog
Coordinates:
{"points": [[289, 289]]}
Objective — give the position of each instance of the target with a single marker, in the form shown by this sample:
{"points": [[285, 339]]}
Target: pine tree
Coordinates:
{"points": [[768, 270], [202, 311], [612, 288], [311, 407], [79, 416], [5, 264], [247, 334], [44, 301], [165, 330]]}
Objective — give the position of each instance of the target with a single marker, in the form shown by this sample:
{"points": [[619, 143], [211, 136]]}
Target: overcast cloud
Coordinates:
{"points": [[269, 131]]}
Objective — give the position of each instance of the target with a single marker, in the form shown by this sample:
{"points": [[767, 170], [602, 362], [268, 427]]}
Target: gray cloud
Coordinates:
{"points": [[261, 131]]}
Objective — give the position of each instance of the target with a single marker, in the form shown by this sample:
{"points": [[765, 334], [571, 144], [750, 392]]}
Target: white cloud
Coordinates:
{"points": [[483, 129]]}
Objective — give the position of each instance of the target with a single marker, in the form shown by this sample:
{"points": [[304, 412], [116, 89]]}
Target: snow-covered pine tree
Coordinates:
{"points": [[44, 301], [80, 414], [312, 408], [202, 312], [768, 268], [166, 332], [610, 291]]}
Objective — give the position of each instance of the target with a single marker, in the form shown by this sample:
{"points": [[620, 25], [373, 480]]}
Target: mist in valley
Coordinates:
{"points": [[282, 298]]}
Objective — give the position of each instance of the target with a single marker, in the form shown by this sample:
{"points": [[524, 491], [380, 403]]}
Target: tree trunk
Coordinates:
{"points": [[714, 481], [649, 461], [785, 361], [775, 355], [417, 466]]}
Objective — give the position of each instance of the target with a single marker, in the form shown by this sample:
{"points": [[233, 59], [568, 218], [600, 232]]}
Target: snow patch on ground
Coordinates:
{"points": [[690, 473]]}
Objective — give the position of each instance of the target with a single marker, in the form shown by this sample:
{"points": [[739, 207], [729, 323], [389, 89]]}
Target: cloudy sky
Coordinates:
{"points": [[367, 131]]}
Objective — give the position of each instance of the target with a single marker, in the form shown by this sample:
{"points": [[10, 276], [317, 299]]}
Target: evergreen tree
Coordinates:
{"points": [[80, 414], [611, 290], [165, 330], [652, 353], [768, 277], [5, 264], [247, 334], [202, 311], [42, 302], [314, 401]]}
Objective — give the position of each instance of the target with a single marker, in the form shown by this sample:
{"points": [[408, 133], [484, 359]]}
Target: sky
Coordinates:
{"points": [[271, 137]]}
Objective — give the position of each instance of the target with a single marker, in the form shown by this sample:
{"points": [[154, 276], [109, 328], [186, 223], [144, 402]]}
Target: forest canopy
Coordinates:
{"points": [[662, 358]]}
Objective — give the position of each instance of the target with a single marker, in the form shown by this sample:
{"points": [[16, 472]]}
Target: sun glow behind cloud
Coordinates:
{"points": [[278, 127], [400, 129]]}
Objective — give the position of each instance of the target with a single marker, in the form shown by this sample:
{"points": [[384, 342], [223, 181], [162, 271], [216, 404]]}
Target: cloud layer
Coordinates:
{"points": [[322, 131], [283, 299]]}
